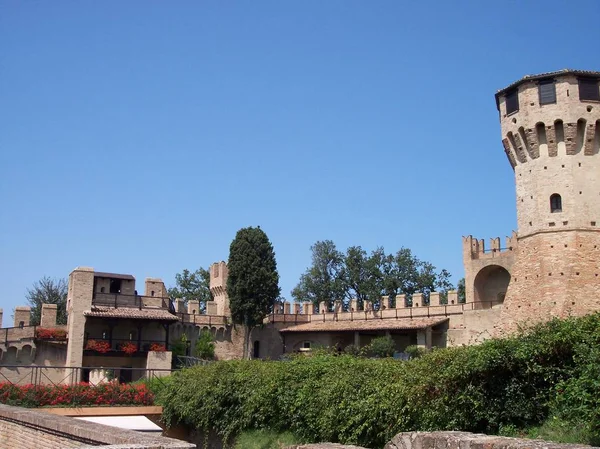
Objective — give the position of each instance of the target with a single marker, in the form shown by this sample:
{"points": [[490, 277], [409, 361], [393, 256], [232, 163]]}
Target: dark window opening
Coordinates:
{"points": [[21, 324], [105, 335], [306, 345], [125, 375], [102, 289], [512, 101], [256, 350], [152, 293], [588, 89], [547, 92], [555, 203], [132, 335], [115, 285]]}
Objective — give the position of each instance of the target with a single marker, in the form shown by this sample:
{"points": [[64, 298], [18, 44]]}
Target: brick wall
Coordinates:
{"points": [[25, 428]]}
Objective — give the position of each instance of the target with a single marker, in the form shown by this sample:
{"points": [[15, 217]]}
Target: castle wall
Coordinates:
{"points": [[556, 275]]}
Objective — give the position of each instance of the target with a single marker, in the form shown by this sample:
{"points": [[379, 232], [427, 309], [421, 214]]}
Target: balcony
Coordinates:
{"points": [[118, 300], [120, 347]]}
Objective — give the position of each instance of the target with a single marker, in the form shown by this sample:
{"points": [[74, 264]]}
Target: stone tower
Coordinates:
{"points": [[551, 135], [218, 288]]}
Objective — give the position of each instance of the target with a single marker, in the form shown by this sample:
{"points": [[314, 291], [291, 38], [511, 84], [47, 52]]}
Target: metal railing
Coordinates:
{"points": [[70, 375]]}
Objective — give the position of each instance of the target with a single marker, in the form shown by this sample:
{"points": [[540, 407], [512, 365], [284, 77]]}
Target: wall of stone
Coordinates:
{"points": [[26, 428], [466, 440], [555, 275]]}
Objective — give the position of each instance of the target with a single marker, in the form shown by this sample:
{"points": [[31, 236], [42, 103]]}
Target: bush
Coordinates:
{"points": [[514, 383], [415, 351], [78, 395], [205, 346], [382, 347]]}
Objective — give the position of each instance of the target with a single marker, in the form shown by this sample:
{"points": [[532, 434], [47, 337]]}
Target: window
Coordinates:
{"points": [[512, 101], [115, 285], [588, 89], [555, 203], [256, 350], [547, 92], [132, 335], [102, 289], [306, 345]]}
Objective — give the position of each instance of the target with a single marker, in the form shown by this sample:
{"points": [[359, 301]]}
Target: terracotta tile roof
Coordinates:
{"points": [[136, 314], [366, 325]]}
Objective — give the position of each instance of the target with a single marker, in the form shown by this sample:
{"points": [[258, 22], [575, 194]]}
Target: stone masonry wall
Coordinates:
{"points": [[555, 275], [25, 428]]}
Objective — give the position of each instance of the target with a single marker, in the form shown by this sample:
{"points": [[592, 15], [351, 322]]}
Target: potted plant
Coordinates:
{"points": [[129, 348], [158, 347], [101, 346]]}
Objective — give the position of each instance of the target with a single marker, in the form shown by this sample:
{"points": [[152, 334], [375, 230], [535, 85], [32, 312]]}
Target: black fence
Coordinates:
{"points": [[69, 375]]}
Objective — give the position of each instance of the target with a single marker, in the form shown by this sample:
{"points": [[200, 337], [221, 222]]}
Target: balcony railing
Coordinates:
{"points": [[101, 346]]}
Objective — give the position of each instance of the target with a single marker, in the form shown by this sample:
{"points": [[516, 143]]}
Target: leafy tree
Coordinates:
{"points": [[48, 291], [323, 280], [382, 347], [356, 274], [462, 297], [205, 346], [192, 286], [253, 282]]}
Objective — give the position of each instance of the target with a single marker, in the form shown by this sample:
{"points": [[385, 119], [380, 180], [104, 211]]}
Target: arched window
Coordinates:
{"points": [[555, 203]]}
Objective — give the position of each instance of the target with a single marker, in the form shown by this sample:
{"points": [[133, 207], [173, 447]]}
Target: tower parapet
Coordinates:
{"points": [[551, 135]]}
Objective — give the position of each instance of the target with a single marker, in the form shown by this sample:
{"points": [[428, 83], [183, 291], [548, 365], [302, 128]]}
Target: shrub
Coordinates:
{"points": [[513, 383], [382, 347], [415, 351], [77, 395], [205, 346]]}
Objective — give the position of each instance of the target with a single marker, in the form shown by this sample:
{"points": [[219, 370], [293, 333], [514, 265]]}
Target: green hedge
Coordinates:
{"points": [[511, 383]]}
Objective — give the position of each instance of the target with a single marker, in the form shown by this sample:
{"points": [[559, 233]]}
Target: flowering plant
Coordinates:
{"points": [[158, 347], [128, 348], [43, 333], [81, 394], [101, 346]]}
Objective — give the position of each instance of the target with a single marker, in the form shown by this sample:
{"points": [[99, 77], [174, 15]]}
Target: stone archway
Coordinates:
{"points": [[490, 286]]}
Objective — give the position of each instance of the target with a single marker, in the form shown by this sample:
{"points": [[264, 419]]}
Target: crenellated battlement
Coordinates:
{"points": [[550, 115], [475, 248]]}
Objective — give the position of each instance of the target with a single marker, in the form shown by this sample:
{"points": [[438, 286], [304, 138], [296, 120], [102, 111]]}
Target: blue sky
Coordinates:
{"points": [[138, 137]]}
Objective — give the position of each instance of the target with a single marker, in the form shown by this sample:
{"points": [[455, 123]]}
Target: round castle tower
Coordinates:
{"points": [[551, 135]]}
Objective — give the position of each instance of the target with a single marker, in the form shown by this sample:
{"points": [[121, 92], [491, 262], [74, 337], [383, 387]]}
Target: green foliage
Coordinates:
{"points": [[253, 282], [264, 439], [460, 287], [48, 291], [178, 348], [205, 346], [415, 351], [366, 277], [514, 383], [323, 281], [382, 347], [354, 350], [192, 286]]}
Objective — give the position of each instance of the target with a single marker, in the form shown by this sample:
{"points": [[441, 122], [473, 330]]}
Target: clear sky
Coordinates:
{"points": [[138, 136]]}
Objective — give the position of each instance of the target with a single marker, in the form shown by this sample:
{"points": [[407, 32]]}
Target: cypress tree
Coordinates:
{"points": [[253, 283]]}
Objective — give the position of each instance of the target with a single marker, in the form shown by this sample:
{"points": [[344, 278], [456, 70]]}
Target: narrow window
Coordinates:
{"points": [[256, 351], [132, 335], [152, 293], [306, 345], [588, 89], [547, 92], [512, 102], [555, 203], [102, 289]]}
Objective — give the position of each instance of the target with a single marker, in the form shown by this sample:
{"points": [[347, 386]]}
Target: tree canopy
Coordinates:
{"points": [[48, 291], [253, 282], [192, 285], [334, 275]]}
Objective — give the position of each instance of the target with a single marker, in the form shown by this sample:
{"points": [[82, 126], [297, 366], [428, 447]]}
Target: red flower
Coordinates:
{"points": [[128, 348]]}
